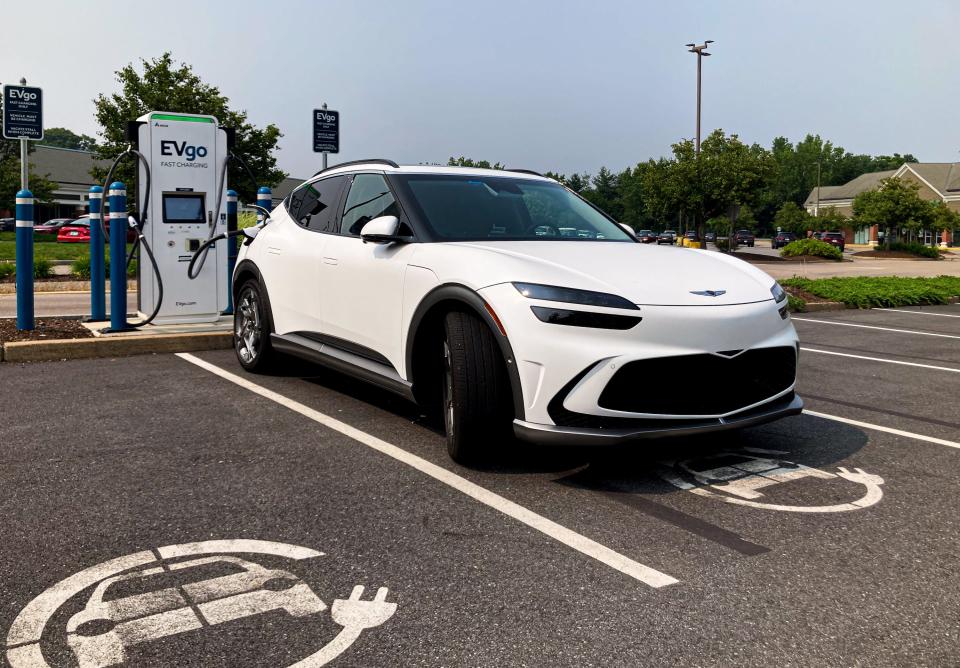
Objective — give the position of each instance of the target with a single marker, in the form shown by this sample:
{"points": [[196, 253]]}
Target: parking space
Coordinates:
{"points": [[810, 541]]}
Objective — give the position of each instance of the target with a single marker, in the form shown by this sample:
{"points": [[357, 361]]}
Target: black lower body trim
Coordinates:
{"points": [[543, 434], [344, 361]]}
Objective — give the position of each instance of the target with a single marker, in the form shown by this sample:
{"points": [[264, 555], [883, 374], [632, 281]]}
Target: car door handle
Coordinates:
{"points": [[331, 260]]}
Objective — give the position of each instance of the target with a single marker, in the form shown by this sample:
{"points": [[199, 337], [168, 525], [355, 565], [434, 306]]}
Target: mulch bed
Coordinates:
{"points": [[891, 255], [759, 257], [46, 329], [803, 294], [59, 278]]}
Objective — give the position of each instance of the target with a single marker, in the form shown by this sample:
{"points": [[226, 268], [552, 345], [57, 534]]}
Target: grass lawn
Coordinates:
{"points": [[47, 250], [881, 291]]}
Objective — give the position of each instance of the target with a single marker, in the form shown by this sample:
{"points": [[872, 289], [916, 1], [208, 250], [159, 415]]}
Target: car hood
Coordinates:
{"points": [[646, 275]]}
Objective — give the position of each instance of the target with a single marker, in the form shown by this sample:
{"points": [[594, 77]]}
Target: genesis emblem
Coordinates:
{"points": [[708, 293]]}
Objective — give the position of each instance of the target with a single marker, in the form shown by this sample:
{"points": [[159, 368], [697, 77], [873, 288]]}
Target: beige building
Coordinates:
{"points": [[937, 181]]}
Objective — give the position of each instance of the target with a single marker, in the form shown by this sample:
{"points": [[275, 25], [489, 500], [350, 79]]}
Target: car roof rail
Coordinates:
{"points": [[524, 171], [375, 161]]}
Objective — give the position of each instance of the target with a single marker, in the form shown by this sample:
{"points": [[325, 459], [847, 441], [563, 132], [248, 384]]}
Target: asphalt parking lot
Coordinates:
{"points": [[829, 538]]}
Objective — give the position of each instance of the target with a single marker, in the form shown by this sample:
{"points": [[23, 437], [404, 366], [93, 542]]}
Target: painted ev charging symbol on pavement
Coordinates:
{"points": [[102, 632], [739, 476]]}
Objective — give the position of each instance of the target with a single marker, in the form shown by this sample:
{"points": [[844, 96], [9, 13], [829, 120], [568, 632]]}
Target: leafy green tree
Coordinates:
{"points": [[895, 204], [827, 219], [64, 138], [792, 218], [943, 217], [470, 162], [578, 182], [163, 85], [605, 193], [41, 187]]}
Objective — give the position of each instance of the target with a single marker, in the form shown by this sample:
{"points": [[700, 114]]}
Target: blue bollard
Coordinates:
{"points": [[24, 257], [263, 199], [118, 256], [98, 272], [231, 247]]}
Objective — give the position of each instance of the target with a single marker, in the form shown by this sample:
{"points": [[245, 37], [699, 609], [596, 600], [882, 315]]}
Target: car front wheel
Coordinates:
{"points": [[251, 329], [476, 389]]}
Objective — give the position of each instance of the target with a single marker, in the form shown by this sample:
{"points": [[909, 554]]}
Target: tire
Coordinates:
{"points": [[477, 406], [252, 326]]}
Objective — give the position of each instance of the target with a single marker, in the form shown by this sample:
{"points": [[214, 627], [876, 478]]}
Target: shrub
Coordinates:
{"points": [[913, 248], [882, 291], [7, 269], [81, 268], [132, 269], [796, 304], [41, 267], [811, 247]]}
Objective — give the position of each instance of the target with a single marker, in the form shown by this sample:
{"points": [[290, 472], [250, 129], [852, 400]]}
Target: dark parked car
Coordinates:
{"points": [[8, 224], [783, 238], [711, 237], [647, 236], [744, 238], [834, 239], [667, 237], [691, 235], [52, 226]]}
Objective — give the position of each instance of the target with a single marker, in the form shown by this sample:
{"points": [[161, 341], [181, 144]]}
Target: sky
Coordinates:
{"points": [[561, 86]]}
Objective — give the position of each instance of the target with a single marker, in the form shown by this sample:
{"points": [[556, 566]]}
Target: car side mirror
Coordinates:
{"points": [[262, 211], [251, 232], [629, 230], [382, 230]]}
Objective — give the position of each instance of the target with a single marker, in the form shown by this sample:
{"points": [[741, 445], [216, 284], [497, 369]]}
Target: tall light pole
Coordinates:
{"points": [[701, 51]]}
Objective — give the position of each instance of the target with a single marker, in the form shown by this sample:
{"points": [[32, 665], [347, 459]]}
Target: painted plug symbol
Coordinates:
{"points": [[860, 476], [357, 614]]}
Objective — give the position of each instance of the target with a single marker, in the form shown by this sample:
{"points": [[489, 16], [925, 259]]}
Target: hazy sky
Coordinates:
{"points": [[565, 86]]}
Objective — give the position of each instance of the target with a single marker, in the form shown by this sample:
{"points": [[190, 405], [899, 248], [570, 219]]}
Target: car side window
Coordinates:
{"points": [[314, 205], [369, 198]]}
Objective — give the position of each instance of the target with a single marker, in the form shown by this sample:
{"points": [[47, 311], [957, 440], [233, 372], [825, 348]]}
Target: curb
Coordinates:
{"points": [[122, 346], [812, 307]]}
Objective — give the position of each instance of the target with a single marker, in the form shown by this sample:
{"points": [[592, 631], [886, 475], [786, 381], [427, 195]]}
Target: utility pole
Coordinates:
{"points": [[24, 172], [701, 51]]}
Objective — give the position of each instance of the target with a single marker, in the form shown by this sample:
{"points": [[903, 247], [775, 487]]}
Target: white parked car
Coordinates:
{"points": [[504, 301]]}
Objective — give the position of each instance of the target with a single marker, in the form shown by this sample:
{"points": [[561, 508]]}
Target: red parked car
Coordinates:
{"points": [[834, 239], [78, 231]]}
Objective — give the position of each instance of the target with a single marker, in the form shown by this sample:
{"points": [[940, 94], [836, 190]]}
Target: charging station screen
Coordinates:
{"points": [[183, 208]]}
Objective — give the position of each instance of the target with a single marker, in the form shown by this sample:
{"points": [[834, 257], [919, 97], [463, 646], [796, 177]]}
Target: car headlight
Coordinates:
{"points": [[552, 293], [779, 294]]}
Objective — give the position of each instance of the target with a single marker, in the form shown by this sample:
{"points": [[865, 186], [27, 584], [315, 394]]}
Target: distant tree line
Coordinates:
{"points": [[732, 184]]}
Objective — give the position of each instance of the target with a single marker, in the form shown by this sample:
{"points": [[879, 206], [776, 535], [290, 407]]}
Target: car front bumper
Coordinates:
{"points": [[543, 434]]}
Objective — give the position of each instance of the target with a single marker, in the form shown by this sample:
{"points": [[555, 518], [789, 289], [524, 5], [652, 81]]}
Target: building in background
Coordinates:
{"points": [[938, 181]]}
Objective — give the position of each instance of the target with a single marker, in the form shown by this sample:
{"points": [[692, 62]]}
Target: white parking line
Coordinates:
{"points": [[880, 359], [568, 537], [886, 329], [888, 430], [901, 310]]}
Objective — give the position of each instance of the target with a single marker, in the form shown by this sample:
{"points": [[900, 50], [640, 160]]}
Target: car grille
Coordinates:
{"points": [[700, 384]]}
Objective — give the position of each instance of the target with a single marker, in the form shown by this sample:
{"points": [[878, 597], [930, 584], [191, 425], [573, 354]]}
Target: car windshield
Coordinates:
{"points": [[477, 208]]}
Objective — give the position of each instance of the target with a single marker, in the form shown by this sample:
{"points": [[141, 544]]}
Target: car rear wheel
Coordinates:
{"points": [[252, 326], [476, 389]]}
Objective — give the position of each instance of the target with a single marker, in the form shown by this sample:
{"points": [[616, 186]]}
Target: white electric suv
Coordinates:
{"points": [[466, 291]]}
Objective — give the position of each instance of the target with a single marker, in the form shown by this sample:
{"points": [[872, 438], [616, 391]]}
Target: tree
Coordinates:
{"points": [[41, 187], [895, 204], [792, 218], [168, 87], [470, 162], [64, 138], [605, 193], [578, 182]]}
